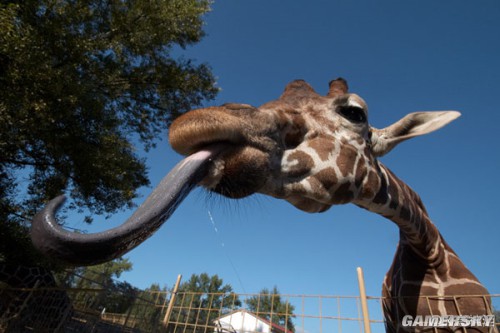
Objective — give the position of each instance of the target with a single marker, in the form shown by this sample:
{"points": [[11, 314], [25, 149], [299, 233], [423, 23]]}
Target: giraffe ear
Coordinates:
{"points": [[413, 124]]}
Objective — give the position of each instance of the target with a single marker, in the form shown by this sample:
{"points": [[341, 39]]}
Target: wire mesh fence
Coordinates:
{"points": [[82, 310], [302, 313], [190, 312]]}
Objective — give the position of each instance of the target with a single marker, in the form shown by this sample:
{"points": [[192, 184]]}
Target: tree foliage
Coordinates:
{"points": [[112, 295], [81, 81], [103, 274], [269, 305]]}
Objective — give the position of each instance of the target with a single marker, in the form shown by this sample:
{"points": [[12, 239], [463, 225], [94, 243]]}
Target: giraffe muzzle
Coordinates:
{"points": [[90, 249]]}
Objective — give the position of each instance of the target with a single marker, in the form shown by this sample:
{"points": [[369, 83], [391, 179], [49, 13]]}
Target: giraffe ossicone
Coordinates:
{"points": [[316, 151]]}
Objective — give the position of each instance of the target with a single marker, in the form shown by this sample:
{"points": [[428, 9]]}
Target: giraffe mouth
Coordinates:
{"points": [[239, 169]]}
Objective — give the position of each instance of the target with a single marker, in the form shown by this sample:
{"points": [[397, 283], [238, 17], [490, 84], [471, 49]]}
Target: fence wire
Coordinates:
{"points": [[82, 310]]}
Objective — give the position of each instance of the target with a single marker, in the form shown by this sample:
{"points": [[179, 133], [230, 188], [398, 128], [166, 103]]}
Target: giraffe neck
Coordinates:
{"points": [[399, 203], [440, 272]]}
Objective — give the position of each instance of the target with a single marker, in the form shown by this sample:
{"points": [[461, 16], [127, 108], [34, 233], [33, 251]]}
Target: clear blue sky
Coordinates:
{"points": [[401, 57]]}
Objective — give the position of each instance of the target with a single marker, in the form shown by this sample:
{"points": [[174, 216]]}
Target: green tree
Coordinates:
{"points": [[269, 305], [200, 301], [81, 82], [119, 297]]}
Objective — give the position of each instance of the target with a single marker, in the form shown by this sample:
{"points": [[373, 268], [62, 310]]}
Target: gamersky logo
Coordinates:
{"points": [[449, 321]]}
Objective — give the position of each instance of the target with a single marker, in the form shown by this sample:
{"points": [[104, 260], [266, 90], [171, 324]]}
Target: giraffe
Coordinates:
{"points": [[315, 152]]}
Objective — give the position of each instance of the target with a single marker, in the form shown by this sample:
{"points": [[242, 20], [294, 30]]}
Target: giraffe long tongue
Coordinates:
{"points": [[90, 249]]}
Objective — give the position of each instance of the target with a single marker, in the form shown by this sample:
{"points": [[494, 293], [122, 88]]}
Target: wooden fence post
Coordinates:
{"points": [[172, 301], [364, 304]]}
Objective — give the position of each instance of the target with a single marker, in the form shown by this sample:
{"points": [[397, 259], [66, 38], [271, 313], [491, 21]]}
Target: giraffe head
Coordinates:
{"points": [[311, 150]]}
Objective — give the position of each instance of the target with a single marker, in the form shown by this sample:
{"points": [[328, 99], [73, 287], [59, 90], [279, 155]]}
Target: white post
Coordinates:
{"points": [[364, 304], [172, 300]]}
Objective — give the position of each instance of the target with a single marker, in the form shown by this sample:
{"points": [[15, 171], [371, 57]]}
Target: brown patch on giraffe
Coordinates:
{"points": [[407, 210], [360, 173], [346, 160], [367, 151], [307, 205], [293, 138], [382, 196], [472, 287], [371, 185], [456, 268], [295, 132], [408, 297], [327, 178], [405, 213], [393, 204], [394, 192], [323, 146], [316, 186], [343, 194], [300, 200], [302, 164], [469, 298]]}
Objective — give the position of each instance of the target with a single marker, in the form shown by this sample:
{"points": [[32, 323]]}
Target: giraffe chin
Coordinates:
{"points": [[90, 249], [308, 205]]}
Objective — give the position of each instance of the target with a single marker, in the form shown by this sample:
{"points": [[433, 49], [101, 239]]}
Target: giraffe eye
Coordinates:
{"points": [[353, 113]]}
